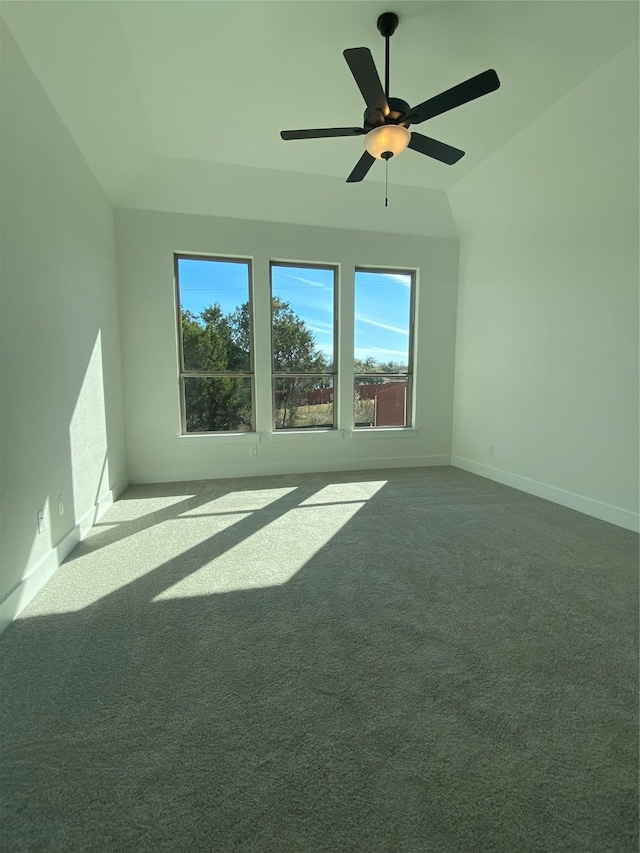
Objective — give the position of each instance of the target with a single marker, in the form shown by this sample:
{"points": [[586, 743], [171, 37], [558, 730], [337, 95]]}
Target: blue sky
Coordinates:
{"points": [[382, 302]]}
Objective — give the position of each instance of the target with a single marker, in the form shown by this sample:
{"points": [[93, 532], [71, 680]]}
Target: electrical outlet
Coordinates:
{"points": [[253, 450], [60, 505], [40, 521], [492, 447]]}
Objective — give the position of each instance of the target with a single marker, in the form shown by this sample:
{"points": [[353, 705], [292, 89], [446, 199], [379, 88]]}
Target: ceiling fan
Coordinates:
{"points": [[387, 120]]}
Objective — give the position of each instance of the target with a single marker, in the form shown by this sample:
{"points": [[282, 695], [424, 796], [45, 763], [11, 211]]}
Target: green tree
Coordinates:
{"points": [[294, 351], [214, 342], [294, 345], [372, 372], [365, 365], [213, 404], [370, 365], [392, 367]]}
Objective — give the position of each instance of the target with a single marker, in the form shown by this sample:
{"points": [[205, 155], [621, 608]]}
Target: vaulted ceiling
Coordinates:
{"points": [[151, 89]]}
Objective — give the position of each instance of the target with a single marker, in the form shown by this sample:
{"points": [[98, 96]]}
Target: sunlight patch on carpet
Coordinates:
{"points": [[344, 493], [272, 555], [132, 509], [242, 501]]}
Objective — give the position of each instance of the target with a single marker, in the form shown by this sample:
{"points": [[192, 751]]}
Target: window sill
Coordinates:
{"points": [[231, 437], [384, 432], [304, 435], [285, 435]]}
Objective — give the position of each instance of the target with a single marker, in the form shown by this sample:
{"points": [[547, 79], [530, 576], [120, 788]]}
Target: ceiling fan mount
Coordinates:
{"points": [[387, 23], [386, 120]]}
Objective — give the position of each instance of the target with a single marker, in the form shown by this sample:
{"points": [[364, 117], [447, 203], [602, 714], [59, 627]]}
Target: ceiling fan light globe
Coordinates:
{"points": [[387, 139]]}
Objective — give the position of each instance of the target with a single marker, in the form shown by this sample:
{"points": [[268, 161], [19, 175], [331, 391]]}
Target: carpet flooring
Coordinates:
{"points": [[405, 661]]}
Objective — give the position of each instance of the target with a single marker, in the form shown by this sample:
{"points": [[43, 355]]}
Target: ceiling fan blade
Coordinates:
{"points": [[321, 132], [471, 89], [364, 72], [433, 148], [361, 168]]}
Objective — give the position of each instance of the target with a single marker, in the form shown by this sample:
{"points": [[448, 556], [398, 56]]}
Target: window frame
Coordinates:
{"points": [[334, 375], [229, 374], [410, 412]]}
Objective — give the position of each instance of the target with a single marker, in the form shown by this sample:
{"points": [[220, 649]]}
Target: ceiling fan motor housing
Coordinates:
{"points": [[397, 109]]}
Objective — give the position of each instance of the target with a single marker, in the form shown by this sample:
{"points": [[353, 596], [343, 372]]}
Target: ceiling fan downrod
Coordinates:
{"points": [[387, 24]]}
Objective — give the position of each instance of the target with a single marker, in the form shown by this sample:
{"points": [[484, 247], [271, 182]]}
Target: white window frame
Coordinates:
{"points": [[335, 374], [410, 401], [187, 374]]}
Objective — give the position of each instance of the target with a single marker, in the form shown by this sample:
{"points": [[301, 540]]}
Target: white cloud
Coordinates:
{"points": [[364, 352], [361, 319], [305, 280], [399, 277]]}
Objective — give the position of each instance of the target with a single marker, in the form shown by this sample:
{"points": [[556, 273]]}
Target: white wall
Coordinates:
{"points": [[193, 187], [155, 450], [547, 329], [62, 425]]}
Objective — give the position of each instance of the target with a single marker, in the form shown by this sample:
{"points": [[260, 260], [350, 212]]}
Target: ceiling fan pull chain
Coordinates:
{"points": [[386, 183]]}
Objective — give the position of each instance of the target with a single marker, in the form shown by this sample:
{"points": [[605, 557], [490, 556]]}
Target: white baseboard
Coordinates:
{"points": [[589, 506], [43, 571], [222, 472]]}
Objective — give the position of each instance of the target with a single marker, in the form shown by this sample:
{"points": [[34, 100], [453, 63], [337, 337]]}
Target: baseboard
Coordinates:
{"points": [[223, 472], [605, 512], [44, 570]]}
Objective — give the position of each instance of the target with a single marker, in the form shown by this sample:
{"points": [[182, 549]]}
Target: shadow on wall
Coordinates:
{"points": [[82, 470], [368, 662]]}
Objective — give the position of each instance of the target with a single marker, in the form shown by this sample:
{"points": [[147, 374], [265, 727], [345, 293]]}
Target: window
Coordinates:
{"points": [[384, 301], [303, 332], [215, 343]]}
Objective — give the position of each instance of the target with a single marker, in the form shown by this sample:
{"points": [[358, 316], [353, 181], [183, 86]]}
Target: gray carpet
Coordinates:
{"points": [[407, 660]]}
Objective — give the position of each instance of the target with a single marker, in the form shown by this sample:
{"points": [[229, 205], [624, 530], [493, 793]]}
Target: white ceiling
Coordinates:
{"points": [[144, 87]]}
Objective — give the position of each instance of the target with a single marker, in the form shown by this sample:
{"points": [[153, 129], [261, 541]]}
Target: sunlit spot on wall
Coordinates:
{"points": [[39, 546], [88, 437]]}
